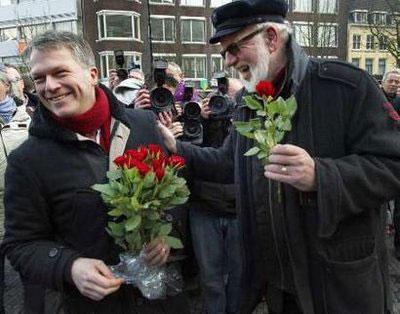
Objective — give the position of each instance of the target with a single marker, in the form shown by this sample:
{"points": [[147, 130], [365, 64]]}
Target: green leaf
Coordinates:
{"points": [[243, 127], [115, 212], [285, 125], [135, 203], [173, 242], [149, 179], [153, 215], [252, 151], [261, 136], [178, 200], [263, 154], [291, 105], [133, 222], [104, 189], [261, 113], [253, 103], [165, 229], [279, 135], [116, 229], [167, 191]]}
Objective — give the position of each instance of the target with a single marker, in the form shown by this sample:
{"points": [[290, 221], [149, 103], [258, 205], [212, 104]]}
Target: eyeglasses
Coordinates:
{"points": [[235, 47]]}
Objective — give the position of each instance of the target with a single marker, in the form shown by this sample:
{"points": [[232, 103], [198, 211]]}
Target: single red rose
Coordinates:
{"points": [[176, 161], [160, 172], [142, 167], [265, 88], [120, 161], [136, 154], [155, 150], [143, 153], [157, 164]]}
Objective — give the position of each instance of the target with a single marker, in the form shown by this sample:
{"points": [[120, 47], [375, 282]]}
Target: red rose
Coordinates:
{"points": [[140, 154], [160, 172], [120, 161], [157, 163], [265, 88], [142, 167], [155, 150], [176, 161], [143, 152]]}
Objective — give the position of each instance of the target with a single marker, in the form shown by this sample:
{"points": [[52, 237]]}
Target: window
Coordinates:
{"points": [[383, 43], [356, 41], [217, 63], [370, 42], [169, 57], [162, 28], [369, 65], [360, 17], [378, 18], [302, 5], [162, 1], [194, 3], [118, 25], [69, 26], [193, 30], [355, 62], [29, 31], [107, 61], [327, 35], [3, 3], [194, 66], [327, 6], [382, 66], [303, 34], [218, 3], [8, 33]]}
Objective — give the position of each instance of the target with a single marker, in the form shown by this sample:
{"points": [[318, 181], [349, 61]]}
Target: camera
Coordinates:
{"points": [[161, 98], [191, 118], [220, 105], [119, 58]]}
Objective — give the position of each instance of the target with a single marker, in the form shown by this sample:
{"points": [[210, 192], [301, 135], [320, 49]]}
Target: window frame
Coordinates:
{"points": [[135, 16], [193, 18], [203, 56], [163, 18], [108, 53], [300, 10]]}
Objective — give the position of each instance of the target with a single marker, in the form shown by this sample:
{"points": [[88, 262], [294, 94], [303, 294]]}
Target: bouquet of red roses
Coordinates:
{"points": [[138, 192]]}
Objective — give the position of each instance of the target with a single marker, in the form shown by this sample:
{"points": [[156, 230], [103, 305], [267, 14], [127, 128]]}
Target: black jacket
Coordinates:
{"points": [[335, 236], [52, 214]]}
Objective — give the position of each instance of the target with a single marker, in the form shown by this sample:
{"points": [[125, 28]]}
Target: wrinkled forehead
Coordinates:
{"points": [[393, 76]]}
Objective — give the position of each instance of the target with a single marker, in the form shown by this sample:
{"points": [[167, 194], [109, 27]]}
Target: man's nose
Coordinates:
{"points": [[51, 83], [230, 59]]}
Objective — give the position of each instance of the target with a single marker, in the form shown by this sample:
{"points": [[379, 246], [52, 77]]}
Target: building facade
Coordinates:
{"points": [[364, 49], [20, 20]]}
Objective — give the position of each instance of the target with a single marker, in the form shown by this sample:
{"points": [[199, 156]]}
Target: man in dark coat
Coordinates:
{"points": [[319, 247], [55, 223]]}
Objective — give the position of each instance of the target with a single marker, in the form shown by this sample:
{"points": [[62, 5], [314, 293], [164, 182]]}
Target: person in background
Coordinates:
{"points": [[112, 77], [18, 90], [137, 74], [390, 84]]}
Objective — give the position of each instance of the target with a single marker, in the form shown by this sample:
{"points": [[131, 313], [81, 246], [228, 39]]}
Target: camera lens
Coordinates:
{"points": [[192, 110], [218, 105], [192, 129], [161, 99]]}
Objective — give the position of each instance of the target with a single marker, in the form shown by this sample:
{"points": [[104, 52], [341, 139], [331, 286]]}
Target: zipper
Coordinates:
{"points": [[274, 232]]}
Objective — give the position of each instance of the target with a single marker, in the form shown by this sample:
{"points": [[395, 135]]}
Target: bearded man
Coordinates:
{"points": [[319, 248]]}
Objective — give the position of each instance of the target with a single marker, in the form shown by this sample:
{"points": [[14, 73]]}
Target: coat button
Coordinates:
{"points": [[53, 252], [169, 217]]}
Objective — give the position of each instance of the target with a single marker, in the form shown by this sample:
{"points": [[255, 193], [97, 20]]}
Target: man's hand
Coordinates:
{"points": [[157, 252], [142, 100], [168, 136], [177, 129], [205, 109], [93, 278], [293, 165]]}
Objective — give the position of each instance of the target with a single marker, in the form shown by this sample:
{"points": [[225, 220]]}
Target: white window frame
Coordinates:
{"points": [[364, 13], [309, 39], [336, 26], [335, 11], [222, 2], [300, 9], [102, 15], [370, 43], [372, 65], [163, 2], [157, 55], [165, 17], [203, 56], [108, 53], [377, 15], [353, 42], [193, 18], [192, 5]]}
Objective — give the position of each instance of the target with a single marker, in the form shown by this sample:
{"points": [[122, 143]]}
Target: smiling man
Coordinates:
{"points": [[319, 247], [55, 223]]}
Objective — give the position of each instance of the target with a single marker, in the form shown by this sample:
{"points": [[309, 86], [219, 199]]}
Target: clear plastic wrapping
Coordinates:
{"points": [[154, 282]]}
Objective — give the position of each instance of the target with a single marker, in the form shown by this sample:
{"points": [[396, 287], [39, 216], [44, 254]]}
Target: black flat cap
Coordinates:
{"points": [[232, 17]]}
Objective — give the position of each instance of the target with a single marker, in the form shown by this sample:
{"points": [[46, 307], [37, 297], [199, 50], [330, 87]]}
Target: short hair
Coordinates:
{"points": [[6, 80], [79, 48], [394, 71], [284, 29], [175, 68]]}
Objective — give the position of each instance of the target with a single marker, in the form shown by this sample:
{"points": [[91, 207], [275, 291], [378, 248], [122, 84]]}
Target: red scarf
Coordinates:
{"points": [[97, 117]]}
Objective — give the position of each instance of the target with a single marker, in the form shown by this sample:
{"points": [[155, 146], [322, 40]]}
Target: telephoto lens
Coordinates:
{"points": [[192, 128], [161, 100]]}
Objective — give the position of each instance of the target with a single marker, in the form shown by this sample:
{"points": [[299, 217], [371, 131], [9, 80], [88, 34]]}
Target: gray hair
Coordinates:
{"points": [[80, 49], [6, 80], [284, 29], [394, 71]]}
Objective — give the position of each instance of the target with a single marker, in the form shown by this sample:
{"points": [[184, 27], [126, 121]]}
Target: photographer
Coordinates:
{"points": [[212, 217]]}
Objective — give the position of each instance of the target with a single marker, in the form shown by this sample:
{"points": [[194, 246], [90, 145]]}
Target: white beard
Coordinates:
{"points": [[258, 72]]}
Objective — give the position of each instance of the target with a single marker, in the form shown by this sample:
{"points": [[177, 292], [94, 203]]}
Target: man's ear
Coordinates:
{"points": [[271, 37], [94, 75]]}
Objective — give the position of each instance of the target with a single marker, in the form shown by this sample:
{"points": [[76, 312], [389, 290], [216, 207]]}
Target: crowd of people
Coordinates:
{"points": [[304, 231]]}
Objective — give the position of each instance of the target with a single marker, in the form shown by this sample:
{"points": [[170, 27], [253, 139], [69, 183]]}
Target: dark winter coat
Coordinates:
{"points": [[52, 214], [334, 236]]}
